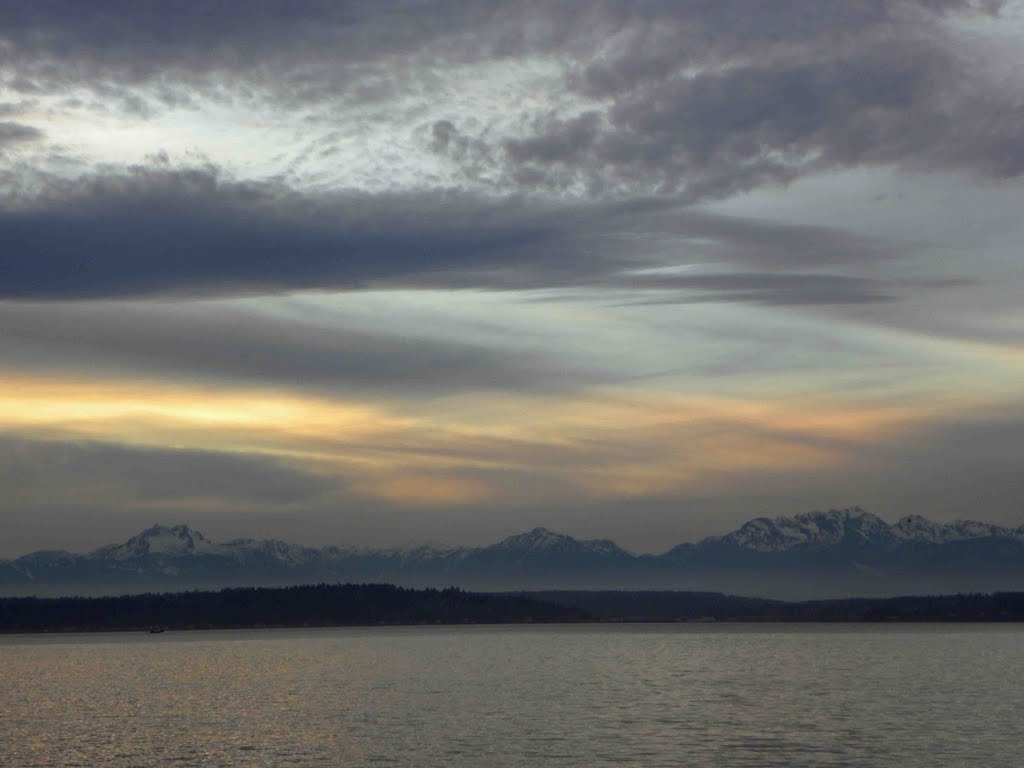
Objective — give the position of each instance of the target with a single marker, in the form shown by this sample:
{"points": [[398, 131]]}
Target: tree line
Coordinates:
{"points": [[317, 605], [323, 605]]}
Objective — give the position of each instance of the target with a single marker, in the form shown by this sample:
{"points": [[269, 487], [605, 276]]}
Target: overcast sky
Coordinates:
{"points": [[391, 273]]}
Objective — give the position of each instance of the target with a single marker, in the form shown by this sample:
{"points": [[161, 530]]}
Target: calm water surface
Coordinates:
{"points": [[652, 695]]}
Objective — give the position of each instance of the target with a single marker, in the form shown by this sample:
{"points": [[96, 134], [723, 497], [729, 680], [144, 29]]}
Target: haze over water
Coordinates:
{"points": [[656, 695]]}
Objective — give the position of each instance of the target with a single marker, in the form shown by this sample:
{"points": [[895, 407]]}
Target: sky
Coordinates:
{"points": [[398, 272]]}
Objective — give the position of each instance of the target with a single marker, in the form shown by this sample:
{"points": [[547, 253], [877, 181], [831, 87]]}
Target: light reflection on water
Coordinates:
{"points": [[653, 695]]}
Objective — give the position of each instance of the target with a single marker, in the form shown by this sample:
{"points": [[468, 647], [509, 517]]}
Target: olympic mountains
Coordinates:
{"points": [[821, 554]]}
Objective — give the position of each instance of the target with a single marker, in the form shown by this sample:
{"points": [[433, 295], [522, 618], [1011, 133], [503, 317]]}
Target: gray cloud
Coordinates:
{"points": [[16, 133], [700, 236], [144, 39], [51, 473], [15, 108], [185, 232], [642, 109], [160, 232], [694, 97], [319, 52], [709, 111], [213, 341], [787, 289], [304, 51]]}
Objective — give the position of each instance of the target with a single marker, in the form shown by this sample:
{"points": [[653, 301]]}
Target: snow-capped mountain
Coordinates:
{"points": [[177, 541], [917, 528], [817, 554], [162, 543], [810, 530], [850, 528], [541, 540]]}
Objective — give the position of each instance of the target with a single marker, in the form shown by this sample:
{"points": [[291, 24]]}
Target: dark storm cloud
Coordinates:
{"points": [[136, 39], [157, 231], [695, 97], [630, 54], [169, 232], [131, 41], [194, 340], [193, 233], [888, 88], [289, 52], [56, 472]]}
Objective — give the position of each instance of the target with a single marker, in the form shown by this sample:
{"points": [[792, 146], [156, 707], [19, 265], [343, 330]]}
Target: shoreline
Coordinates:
{"points": [[383, 605]]}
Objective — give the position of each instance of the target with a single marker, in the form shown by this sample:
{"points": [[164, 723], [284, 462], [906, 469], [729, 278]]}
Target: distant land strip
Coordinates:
{"points": [[328, 605]]}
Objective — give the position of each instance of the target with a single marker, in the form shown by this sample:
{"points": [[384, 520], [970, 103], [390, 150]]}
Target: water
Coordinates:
{"points": [[651, 695]]}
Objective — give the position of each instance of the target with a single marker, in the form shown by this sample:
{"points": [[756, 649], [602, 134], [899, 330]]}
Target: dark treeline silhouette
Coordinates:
{"points": [[694, 606], [325, 605], [318, 605]]}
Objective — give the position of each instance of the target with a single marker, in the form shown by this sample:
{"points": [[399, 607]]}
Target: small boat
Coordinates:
{"points": [[156, 630]]}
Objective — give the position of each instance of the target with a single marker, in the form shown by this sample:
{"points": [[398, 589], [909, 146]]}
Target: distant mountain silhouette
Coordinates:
{"points": [[832, 553]]}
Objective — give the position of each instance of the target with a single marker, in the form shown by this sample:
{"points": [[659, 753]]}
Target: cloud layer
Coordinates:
{"points": [[472, 264]]}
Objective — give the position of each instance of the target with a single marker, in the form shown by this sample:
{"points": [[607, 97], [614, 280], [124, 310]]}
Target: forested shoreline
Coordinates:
{"points": [[325, 605], [318, 605]]}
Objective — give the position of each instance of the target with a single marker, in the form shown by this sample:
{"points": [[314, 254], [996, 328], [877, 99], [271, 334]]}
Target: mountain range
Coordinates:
{"points": [[821, 554]]}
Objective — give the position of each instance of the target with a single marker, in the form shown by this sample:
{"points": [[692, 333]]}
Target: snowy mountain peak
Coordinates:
{"points": [[854, 526], [172, 541], [855, 549], [918, 528], [180, 532], [543, 540], [807, 530], [836, 515], [537, 539]]}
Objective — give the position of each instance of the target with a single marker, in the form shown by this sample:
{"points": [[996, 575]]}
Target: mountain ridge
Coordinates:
{"points": [[843, 549]]}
